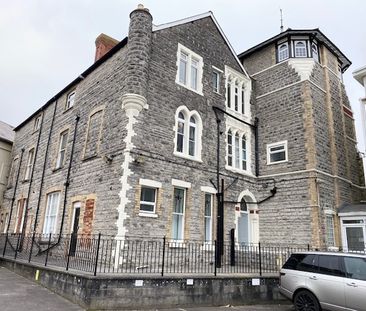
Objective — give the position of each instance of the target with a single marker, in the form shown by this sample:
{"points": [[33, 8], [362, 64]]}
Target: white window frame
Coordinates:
{"points": [[210, 217], [281, 57], [186, 131], [75, 205], [37, 123], [217, 73], [305, 48], [30, 163], [238, 157], [23, 203], [180, 237], [70, 101], [330, 230], [148, 183], [191, 58], [273, 145], [61, 154], [238, 92], [317, 58], [46, 226]]}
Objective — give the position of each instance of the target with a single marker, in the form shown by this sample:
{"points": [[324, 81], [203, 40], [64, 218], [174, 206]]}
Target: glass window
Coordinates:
{"points": [[228, 93], [283, 52], [29, 166], [13, 173], [19, 217], [236, 97], [315, 51], [243, 205], [243, 153], [6, 222], [216, 81], [148, 199], [330, 265], [208, 217], [192, 136], [183, 68], [51, 212], [230, 148], [178, 214], [70, 100], [180, 132], [300, 49], [94, 134], [194, 73], [62, 149], [277, 152], [37, 123], [355, 268], [309, 263], [242, 100], [237, 153], [330, 230]]}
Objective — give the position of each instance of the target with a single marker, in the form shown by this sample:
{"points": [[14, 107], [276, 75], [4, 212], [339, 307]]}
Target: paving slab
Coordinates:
{"points": [[20, 294]]}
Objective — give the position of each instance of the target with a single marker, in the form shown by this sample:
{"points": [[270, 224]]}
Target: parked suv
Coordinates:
{"points": [[329, 281]]}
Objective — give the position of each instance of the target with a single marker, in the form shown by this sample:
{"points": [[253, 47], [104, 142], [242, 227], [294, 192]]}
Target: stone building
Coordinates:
{"points": [[139, 143], [6, 141]]}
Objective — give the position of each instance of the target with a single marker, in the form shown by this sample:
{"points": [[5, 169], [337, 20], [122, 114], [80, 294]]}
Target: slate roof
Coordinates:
{"points": [[352, 208], [6, 132]]}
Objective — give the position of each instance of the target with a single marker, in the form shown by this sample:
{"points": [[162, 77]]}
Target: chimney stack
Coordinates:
{"points": [[103, 44]]}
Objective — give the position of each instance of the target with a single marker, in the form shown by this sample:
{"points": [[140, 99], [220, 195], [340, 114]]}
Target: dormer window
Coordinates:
{"points": [[300, 49], [283, 52]]}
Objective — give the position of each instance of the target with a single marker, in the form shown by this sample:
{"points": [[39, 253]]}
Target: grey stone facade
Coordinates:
{"points": [[134, 88]]}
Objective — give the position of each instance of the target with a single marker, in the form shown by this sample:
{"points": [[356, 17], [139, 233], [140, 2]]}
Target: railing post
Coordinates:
{"points": [[6, 242], [48, 249], [97, 255], [215, 270], [30, 253], [16, 249], [260, 258], [163, 261], [232, 247]]}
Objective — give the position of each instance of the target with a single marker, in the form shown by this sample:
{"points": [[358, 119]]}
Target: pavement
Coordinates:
{"points": [[20, 294]]}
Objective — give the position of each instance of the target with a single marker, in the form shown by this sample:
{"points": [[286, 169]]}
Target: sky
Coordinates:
{"points": [[46, 44]]}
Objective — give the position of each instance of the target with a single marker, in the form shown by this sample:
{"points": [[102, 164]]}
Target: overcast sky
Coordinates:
{"points": [[46, 44]]}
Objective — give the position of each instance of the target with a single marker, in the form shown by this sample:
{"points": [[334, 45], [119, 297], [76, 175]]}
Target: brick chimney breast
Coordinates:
{"points": [[103, 44]]}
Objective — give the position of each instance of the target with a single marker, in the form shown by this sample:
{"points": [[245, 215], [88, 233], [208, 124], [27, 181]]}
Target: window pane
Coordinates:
{"points": [[208, 204], [178, 200], [300, 49], [243, 205], [228, 95], [330, 230], [355, 268], [177, 227], [279, 148], [147, 207], [308, 264], [242, 101], [148, 194], [329, 265], [236, 100], [183, 68], [237, 154], [283, 52], [93, 136], [215, 81], [194, 77], [278, 156], [243, 153], [192, 134]]}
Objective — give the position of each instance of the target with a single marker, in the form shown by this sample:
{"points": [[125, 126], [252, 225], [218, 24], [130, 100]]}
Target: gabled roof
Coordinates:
{"points": [[316, 33], [6, 132], [198, 17], [82, 76]]}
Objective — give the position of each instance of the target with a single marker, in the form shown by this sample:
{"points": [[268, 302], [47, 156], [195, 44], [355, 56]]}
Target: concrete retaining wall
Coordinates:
{"points": [[139, 292]]}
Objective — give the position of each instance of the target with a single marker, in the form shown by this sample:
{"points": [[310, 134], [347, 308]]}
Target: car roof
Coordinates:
{"points": [[362, 255]]}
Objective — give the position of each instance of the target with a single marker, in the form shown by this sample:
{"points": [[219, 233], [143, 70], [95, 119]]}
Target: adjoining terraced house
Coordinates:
{"points": [[132, 147]]}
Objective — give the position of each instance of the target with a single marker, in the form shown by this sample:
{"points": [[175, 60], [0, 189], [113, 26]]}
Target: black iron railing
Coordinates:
{"points": [[99, 254]]}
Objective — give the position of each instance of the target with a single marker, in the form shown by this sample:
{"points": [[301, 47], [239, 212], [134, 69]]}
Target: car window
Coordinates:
{"points": [[293, 261], [330, 265], [302, 262], [355, 268], [308, 264]]}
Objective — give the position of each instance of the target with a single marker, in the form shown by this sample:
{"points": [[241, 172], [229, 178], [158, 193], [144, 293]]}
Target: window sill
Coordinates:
{"points": [[56, 169], [239, 171], [149, 215], [24, 181], [199, 92], [68, 109], [238, 114], [187, 157], [85, 159], [278, 162]]}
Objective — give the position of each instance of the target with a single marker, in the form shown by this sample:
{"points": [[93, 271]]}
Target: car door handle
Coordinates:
{"points": [[352, 284], [313, 278]]}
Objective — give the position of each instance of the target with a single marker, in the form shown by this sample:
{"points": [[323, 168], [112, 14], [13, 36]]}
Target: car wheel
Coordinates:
{"points": [[306, 301]]}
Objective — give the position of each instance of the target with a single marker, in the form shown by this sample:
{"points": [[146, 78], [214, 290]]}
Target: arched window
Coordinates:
{"points": [[300, 49], [315, 51], [192, 136], [243, 205], [180, 132], [283, 52], [230, 148], [188, 134]]}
